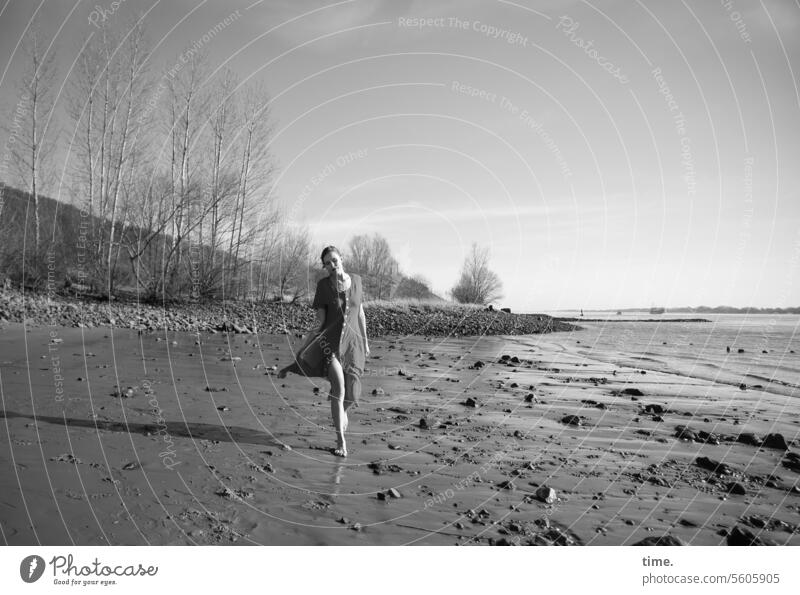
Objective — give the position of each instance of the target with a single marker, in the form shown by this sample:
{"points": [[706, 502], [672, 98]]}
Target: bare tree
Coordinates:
{"points": [[251, 217], [223, 183], [372, 258], [293, 256], [36, 138], [106, 99], [478, 284]]}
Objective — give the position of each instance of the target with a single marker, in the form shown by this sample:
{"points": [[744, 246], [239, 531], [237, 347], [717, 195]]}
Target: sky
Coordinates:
{"points": [[609, 154]]}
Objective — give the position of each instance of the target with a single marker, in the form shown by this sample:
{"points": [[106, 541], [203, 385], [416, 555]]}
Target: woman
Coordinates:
{"points": [[338, 347]]}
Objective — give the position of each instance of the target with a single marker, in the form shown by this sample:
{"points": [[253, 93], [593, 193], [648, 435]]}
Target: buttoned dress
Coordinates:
{"points": [[340, 335]]}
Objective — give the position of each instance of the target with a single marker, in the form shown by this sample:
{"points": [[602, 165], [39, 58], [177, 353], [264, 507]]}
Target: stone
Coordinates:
{"points": [[654, 408], [792, 462], [388, 494], [736, 489], [632, 392], [713, 466], [571, 420], [742, 536], [470, 402], [429, 423], [708, 437], [546, 494], [749, 438], [653, 540], [686, 433], [776, 441]]}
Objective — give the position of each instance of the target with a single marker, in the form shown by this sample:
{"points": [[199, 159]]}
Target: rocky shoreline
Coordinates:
{"points": [[271, 318]]}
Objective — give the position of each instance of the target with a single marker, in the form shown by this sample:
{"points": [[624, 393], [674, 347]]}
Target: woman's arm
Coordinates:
{"points": [[362, 325]]}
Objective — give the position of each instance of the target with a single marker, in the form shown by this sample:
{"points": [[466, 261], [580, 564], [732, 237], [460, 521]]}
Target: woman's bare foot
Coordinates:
{"points": [[340, 451]]}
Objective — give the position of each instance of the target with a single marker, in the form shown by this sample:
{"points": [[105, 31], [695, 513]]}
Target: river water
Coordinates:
{"points": [[770, 344]]}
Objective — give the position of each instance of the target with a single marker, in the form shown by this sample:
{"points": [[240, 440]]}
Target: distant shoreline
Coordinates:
{"points": [[573, 319], [688, 310]]}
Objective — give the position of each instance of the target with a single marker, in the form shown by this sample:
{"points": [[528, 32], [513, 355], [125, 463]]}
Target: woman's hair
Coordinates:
{"points": [[327, 250]]}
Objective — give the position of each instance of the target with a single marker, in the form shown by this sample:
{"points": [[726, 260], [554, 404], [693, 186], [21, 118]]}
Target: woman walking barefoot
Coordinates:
{"points": [[338, 346]]}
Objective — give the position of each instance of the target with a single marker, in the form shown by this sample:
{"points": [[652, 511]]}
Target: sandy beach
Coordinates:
{"points": [[111, 437]]}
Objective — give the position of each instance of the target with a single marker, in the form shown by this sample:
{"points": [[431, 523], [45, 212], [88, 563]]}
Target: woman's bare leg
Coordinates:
{"points": [[336, 377]]}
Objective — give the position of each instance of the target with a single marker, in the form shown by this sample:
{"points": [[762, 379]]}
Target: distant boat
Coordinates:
{"points": [[655, 310]]}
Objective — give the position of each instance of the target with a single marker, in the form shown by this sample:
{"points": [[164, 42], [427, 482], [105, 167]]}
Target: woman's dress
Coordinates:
{"points": [[340, 335]]}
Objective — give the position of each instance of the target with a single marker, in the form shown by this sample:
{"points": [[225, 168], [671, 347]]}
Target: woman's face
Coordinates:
{"points": [[332, 263]]}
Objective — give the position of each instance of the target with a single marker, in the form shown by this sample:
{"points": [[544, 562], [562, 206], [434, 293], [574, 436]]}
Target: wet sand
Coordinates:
{"points": [[209, 447]]}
